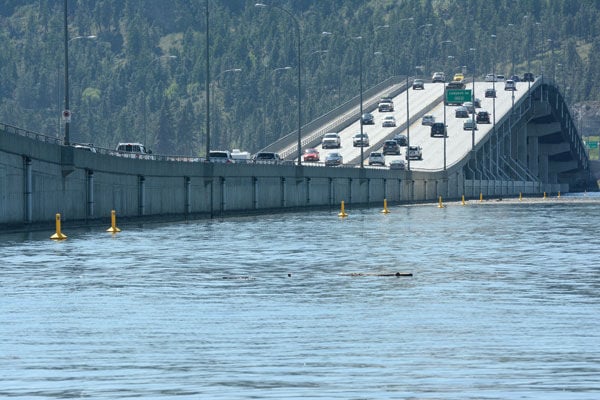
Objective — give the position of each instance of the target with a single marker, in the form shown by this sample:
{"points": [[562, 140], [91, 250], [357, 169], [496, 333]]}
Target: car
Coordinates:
{"points": [[133, 148], [469, 106], [438, 129], [334, 159], [414, 153], [438, 77], [428, 120], [470, 125], [490, 78], [331, 140], [388, 121], [515, 78], [459, 76], [360, 140], [418, 84], [397, 164], [482, 117], [311, 154], [240, 157], [390, 147], [477, 102], [500, 78], [510, 85], [85, 146], [376, 158], [220, 156], [367, 119], [528, 77], [456, 85], [401, 139], [490, 93], [385, 105], [461, 112], [267, 157]]}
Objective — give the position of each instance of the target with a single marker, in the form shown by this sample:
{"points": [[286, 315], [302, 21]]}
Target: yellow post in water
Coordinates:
{"points": [[342, 212], [440, 204], [385, 208], [544, 195], [520, 196], [559, 195], [113, 223], [58, 235], [463, 200], [480, 196]]}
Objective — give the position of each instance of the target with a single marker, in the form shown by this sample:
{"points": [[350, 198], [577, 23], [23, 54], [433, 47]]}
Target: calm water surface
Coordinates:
{"points": [[504, 303]]}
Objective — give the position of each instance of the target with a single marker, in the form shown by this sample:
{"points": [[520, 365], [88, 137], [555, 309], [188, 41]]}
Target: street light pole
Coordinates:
{"points": [[494, 101], [297, 25], [473, 99], [207, 84], [360, 80]]}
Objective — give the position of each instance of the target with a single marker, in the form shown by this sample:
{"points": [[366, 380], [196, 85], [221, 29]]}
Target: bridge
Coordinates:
{"points": [[531, 147], [532, 136]]}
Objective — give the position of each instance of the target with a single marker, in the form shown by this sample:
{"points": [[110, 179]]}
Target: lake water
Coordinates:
{"points": [[504, 303]]}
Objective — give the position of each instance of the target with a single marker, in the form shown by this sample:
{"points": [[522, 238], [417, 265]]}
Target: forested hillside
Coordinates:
{"points": [[142, 77]]}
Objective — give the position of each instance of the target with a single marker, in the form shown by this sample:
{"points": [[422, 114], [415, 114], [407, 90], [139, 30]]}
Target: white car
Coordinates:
{"points": [[490, 78], [510, 85], [428, 120], [331, 140], [414, 153], [376, 158], [388, 121]]}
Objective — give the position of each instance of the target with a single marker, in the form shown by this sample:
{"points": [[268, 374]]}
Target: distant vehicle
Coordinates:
{"points": [[459, 76], [510, 85], [360, 141], [331, 140], [311, 155], [456, 85], [438, 77], [428, 120], [386, 105], [500, 78], [483, 117], [367, 119], [333, 159], [414, 153], [469, 106], [490, 93], [388, 121], [85, 146], [391, 147], [477, 102], [490, 78], [220, 156], [266, 157], [438, 129], [418, 84], [240, 156], [401, 139], [515, 78], [133, 148], [528, 77], [461, 112], [397, 164], [469, 125], [376, 158]]}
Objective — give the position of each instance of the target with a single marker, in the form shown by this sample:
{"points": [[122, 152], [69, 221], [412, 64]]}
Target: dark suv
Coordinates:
{"points": [[438, 129], [483, 117], [528, 77], [391, 147], [367, 119]]}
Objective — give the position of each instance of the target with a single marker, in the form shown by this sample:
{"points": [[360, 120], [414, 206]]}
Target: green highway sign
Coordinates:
{"points": [[455, 96], [592, 145]]}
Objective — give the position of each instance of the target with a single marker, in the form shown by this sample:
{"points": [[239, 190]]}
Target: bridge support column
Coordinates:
{"points": [[282, 192], [28, 185], [222, 194], [307, 180], [254, 193], [89, 174], [141, 195]]}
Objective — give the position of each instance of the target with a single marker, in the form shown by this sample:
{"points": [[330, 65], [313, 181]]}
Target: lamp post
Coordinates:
{"points": [[360, 79], [472, 49], [494, 99], [512, 52], [299, 39], [66, 114]]}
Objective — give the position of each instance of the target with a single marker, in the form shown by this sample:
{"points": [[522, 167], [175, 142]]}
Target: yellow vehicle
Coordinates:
{"points": [[459, 76]]}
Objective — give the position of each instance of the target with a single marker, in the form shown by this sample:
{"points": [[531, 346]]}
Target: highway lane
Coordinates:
{"points": [[458, 142], [418, 100]]}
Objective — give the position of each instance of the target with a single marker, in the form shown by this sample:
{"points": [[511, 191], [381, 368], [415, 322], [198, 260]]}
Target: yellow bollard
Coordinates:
{"points": [[544, 195], [463, 200], [58, 235], [520, 196], [440, 204], [559, 195], [385, 208], [342, 213], [480, 196], [113, 223]]}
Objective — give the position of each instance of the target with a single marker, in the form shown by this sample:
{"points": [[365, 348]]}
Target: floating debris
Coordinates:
{"points": [[396, 274]]}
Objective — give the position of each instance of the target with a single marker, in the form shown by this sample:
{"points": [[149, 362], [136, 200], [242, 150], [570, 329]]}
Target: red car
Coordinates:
{"points": [[311, 155]]}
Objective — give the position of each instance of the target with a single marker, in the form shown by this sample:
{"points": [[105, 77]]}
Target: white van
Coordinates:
{"points": [[241, 156], [133, 150], [220, 156]]}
